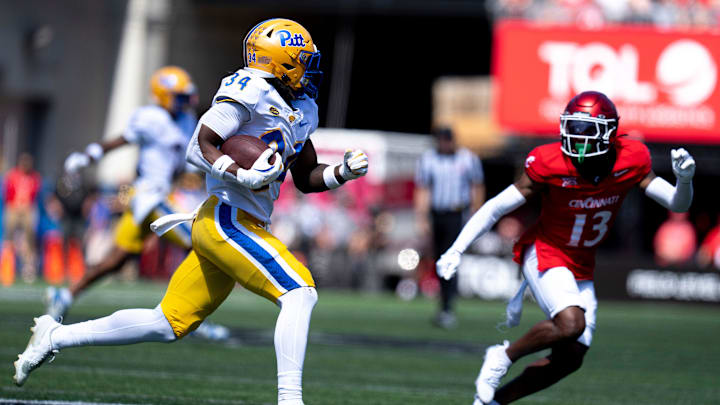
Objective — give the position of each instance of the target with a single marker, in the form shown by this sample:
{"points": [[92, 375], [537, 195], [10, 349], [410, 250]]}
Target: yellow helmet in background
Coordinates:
{"points": [[172, 88], [284, 49]]}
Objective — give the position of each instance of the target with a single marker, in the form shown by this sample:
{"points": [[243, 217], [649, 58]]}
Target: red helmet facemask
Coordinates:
{"points": [[588, 126]]}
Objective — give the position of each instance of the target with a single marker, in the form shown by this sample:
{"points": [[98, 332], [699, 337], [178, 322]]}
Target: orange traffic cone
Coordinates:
{"points": [[53, 259], [7, 265], [75, 261]]}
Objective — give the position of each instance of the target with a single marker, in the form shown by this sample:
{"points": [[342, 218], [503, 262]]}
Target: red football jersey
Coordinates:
{"points": [[575, 213]]}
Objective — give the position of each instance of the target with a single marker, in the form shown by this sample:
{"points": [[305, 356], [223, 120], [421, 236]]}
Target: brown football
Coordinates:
{"points": [[245, 149]]}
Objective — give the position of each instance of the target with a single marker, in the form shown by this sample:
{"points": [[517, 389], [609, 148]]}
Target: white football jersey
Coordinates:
{"points": [[273, 121], [162, 141]]}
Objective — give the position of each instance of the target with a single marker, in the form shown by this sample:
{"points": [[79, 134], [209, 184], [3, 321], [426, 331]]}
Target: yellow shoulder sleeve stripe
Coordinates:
{"points": [[225, 100]]}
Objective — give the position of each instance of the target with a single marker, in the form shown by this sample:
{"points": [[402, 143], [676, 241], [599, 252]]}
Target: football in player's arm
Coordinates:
{"points": [[309, 176], [581, 182]]}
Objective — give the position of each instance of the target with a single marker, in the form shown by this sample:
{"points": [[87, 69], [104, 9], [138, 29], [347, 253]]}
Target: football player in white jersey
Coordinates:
{"points": [[162, 130], [271, 98]]}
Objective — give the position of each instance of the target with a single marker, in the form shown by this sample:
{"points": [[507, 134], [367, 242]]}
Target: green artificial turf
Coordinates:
{"points": [[364, 349]]}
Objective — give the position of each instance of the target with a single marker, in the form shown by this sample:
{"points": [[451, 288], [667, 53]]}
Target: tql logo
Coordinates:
{"points": [[685, 71]]}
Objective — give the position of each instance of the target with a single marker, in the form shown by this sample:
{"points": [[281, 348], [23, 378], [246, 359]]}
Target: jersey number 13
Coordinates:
{"points": [[600, 220]]}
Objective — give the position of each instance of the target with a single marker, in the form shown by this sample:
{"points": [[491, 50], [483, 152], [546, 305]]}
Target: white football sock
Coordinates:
{"points": [[121, 328], [65, 295], [291, 333]]}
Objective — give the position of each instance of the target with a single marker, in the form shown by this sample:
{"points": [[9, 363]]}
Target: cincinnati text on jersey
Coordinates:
{"points": [[594, 202]]}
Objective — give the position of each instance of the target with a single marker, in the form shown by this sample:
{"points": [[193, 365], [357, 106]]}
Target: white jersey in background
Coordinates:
{"points": [[162, 143], [271, 120]]}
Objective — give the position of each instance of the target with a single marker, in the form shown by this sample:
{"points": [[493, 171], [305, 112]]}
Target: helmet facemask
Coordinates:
{"points": [[584, 136], [312, 78], [183, 101]]}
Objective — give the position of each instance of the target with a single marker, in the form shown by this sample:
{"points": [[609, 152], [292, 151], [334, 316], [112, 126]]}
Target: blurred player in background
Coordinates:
{"points": [[162, 130], [21, 188], [448, 186], [272, 98], [581, 182]]}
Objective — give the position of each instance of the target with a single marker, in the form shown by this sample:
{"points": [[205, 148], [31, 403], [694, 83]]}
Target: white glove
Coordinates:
{"points": [[95, 151], [76, 161], [355, 164], [448, 263], [262, 172], [683, 165]]}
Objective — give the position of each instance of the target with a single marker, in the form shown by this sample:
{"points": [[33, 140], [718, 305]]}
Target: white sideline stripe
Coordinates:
{"points": [[38, 402]]}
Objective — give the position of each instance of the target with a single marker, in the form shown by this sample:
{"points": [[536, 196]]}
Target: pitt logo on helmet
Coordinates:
{"points": [[284, 49], [295, 40]]}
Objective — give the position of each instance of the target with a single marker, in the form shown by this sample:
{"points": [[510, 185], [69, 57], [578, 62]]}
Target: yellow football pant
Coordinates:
{"points": [[228, 246], [130, 236]]}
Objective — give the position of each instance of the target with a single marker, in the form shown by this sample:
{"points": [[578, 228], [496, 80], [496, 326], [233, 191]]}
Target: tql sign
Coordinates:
{"points": [[664, 83]]}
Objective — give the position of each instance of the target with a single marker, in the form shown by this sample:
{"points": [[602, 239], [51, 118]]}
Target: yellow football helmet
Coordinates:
{"points": [[172, 88], [284, 49]]}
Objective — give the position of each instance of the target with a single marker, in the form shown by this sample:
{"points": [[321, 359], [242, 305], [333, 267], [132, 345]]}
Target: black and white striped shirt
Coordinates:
{"points": [[449, 178]]}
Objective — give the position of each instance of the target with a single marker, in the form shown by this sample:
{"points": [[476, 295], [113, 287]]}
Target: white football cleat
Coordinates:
{"points": [[57, 302], [38, 350], [445, 320], [477, 401], [494, 367], [212, 331]]}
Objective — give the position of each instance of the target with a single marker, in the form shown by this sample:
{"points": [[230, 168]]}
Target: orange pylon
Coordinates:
{"points": [[53, 259], [7, 265], [75, 261]]}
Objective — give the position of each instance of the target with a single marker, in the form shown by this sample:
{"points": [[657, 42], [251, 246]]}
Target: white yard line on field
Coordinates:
{"points": [[39, 402], [79, 393]]}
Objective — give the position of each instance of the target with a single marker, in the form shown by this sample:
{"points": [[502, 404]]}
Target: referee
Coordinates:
{"points": [[448, 185]]}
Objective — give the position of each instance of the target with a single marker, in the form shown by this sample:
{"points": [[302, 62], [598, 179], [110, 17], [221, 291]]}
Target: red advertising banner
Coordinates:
{"points": [[663, 82]]}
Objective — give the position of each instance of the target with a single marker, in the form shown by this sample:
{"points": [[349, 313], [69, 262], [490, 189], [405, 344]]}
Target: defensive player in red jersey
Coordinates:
{"points": [[581, 182]]}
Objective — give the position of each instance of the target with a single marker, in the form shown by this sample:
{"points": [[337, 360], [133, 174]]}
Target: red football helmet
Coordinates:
{"points": [[588, 126]]}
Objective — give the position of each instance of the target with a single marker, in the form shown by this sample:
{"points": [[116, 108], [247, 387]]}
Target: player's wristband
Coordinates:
{"points": [[95, 151], [220, 165], [329, 177]]}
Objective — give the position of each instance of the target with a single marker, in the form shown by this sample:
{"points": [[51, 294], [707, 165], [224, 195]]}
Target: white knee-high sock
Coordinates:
{"points": [[291, 332], [121, 328]]}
